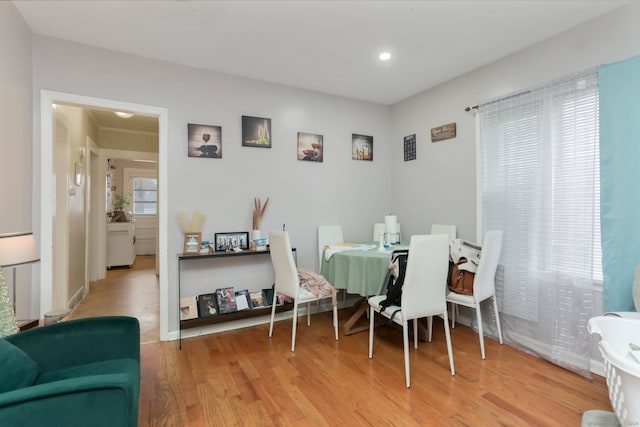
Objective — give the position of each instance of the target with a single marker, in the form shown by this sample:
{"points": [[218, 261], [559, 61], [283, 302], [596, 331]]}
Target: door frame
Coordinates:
{"points": [[47, 198]]}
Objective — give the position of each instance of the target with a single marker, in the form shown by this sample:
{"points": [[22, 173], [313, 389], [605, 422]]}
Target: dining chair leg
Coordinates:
{"points": [[295, 325], [415, 333], [273, 313], [405, 338], [371, 325], [480, 332], [447, 334], [495, 309], [454, 310], [335, 320]]}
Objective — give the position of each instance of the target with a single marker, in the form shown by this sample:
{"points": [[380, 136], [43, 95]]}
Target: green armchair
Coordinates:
{"points": [[82, 372]]}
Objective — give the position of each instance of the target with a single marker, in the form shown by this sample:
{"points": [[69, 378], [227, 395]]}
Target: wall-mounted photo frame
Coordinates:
{"points": [[237, 240], [192, 243], [410, 147], [204, 141], [79, 172], [310, 147], [361, 147], [256, 132]]}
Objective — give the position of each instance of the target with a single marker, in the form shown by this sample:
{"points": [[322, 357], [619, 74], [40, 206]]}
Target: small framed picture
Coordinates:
{"points": [[256, 132], [361, 147], [79, 173], [204, 141], [234, 241], [192, 243], [410, 147], [310, 147]]}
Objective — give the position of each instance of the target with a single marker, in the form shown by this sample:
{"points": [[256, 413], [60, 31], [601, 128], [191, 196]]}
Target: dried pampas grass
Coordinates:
{"points": [[193, 224], [258, 212]]}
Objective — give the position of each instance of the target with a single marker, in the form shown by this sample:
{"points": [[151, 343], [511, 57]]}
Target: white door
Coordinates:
{"points": [[141, 185]]}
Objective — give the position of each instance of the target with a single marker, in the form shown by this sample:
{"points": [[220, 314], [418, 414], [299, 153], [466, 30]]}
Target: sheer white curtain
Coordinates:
{"points": [[541, 186]]}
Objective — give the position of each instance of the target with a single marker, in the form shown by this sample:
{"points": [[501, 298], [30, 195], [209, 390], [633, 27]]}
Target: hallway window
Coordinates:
{"points": [[145, 195]]}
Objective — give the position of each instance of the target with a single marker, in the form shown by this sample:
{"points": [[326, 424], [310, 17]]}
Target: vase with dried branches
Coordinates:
{"points": [[258, 213]]}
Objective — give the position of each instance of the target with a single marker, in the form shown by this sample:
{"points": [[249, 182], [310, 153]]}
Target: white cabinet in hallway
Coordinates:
{"points": [[121, 244]]}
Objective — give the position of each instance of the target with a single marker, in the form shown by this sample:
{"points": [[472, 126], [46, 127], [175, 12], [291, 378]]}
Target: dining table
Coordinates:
{"points": [[358, 268]]}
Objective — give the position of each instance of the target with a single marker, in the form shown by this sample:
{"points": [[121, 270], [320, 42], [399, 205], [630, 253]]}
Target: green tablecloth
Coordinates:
{"points": [[359, 272]]}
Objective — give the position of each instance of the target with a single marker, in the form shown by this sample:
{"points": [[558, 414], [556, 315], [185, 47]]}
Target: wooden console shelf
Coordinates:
{"points": [[236, 315], [228, 317]]}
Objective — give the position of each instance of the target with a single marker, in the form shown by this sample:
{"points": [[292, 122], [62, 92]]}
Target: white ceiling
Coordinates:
{"points": [[325, 46]]}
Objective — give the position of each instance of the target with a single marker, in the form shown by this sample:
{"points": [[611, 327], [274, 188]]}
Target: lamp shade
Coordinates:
{"points": [[18, 248]]}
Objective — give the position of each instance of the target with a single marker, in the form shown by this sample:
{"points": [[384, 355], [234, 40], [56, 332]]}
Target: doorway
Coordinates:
{"points": [[48, 203]]}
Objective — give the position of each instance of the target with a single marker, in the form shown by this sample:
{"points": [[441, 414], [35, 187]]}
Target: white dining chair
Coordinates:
{"points": [[484, 284], [449, 230], [287, 282], [328, 235], [422, 294]]}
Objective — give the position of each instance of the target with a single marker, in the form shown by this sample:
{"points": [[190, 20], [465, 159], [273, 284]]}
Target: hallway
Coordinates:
{"points": [[127, 292]]}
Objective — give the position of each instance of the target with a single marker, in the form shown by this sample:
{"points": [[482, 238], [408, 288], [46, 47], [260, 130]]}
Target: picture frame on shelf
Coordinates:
{"points": [[232, 241], [256, 132], [361, 147], [192, 243], [204, 141], [310, 147], [188, 308]]}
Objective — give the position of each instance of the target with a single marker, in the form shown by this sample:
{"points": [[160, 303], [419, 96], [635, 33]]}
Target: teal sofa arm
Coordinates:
{"points": [[99, 400], [82, 341]]}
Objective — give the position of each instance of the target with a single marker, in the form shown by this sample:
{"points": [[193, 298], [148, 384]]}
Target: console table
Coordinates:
{"points": [[238, 315]]}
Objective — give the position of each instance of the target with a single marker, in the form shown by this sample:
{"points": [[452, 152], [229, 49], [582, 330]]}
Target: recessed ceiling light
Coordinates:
{"points": [[124, 115], [384, 56]]}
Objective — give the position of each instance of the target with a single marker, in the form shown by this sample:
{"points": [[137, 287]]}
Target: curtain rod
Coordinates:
{"points": [[579, 74], [493, 101]]}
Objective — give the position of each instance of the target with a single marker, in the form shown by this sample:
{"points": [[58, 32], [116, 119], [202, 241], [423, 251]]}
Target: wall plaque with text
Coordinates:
{"points": [[443, 132]]}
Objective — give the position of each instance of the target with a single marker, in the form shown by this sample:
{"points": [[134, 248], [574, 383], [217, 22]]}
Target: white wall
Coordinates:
{"points": [[303, 194], [15, 141], [445, 172]]}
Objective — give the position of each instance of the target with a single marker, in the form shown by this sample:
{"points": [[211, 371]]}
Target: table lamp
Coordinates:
{"points": [[15, 249]]}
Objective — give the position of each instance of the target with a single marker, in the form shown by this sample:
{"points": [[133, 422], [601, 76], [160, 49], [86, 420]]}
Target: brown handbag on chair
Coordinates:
{"points": [[460, 281]]}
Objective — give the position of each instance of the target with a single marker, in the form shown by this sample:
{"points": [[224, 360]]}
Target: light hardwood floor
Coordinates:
{"points": [[127, 292], [243, 378]]}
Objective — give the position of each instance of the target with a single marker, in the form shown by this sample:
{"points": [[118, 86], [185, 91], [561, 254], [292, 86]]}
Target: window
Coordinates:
{"points": [[540, 179], [145, 195]]}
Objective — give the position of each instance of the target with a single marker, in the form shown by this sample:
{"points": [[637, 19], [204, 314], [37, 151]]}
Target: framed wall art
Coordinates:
{"points": [[192, 243], [204, 141], [237, 240], [361, 147], [256, 132], [410, 147], [310, 147]]}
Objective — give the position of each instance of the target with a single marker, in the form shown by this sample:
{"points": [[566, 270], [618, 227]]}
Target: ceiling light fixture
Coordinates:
{"points": [[123, 114], [384, 56]]}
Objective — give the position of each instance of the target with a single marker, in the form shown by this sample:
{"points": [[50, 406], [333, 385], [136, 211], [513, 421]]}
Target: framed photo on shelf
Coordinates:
{"points": [[310, 147], [237, 240], [188, 308], [256, 132], [192, 243], [204, 141]]}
